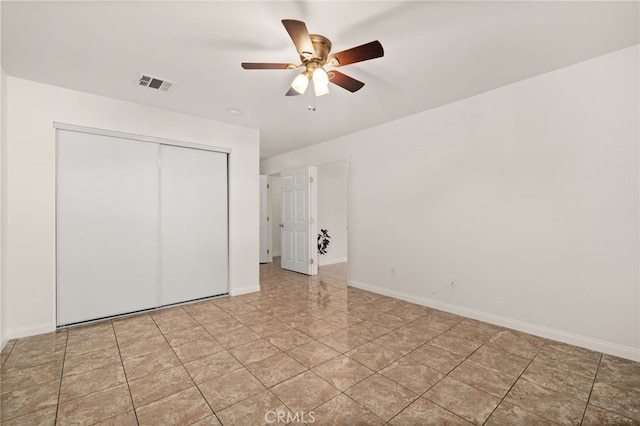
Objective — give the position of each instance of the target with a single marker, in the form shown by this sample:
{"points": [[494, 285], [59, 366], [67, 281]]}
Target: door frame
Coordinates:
{"points": [[349, 219], [265, 221]]}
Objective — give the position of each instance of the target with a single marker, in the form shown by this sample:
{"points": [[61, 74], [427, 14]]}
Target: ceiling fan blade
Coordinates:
{"points": [[344, 81], [266, 66], [292, 92], [361, 53], [300, 35]]}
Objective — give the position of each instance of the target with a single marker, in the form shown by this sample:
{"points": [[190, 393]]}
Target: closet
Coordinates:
{"points": [[140, 223]]}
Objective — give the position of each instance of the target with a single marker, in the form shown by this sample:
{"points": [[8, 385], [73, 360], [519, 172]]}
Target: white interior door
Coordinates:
{"points": [[107, 226], [194, 230], [298, 229], [265, 255]]}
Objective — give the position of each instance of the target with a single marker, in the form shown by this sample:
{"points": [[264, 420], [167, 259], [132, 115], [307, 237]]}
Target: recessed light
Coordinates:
{"points": [[234, 111]]}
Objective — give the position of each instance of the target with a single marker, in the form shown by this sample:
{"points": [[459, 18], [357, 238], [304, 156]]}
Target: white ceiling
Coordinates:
{"points": [[435, 53]]}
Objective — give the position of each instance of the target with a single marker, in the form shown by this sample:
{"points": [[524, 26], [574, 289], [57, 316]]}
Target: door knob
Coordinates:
{"points": [[281, 225]]}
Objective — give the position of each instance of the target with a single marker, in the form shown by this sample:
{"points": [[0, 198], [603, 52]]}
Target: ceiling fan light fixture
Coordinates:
{"points": [[320, 81], [315, 52], [321, 90], [301, 82]]}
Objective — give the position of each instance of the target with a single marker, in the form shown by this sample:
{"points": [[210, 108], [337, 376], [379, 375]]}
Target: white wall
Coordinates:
{"points": [[30, 257], [3, 203], [332, 209], [527, 196], [3, 131]]}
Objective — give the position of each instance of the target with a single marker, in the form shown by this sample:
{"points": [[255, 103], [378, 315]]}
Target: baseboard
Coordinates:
{"points": [[537, 330], [244, 290], [278, 254], [331, 261], [31, 330]]}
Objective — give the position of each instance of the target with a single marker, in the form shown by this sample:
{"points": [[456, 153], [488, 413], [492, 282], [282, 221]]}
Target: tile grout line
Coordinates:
{"points": [[307, 369], [190, 376], [518, 377], [234, 357], [421, 395], [182, 364], [460, 363], [595, 376], [378, 372], [126, 378], [338, 307], [96, 368], [516, 381], [64, 358], [13, 345], [392, 330]]}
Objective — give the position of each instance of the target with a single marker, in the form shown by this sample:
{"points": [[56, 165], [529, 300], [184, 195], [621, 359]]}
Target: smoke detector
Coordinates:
{"points": [[154, 82]]}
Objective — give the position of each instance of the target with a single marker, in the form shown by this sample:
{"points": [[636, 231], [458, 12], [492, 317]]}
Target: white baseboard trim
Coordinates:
{"points": [[331, 261], [31, 330], [278, 254], [537, 330], [244, 290]]}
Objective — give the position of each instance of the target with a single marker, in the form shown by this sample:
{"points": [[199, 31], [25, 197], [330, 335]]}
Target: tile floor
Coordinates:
{"points": [[309, 350]]}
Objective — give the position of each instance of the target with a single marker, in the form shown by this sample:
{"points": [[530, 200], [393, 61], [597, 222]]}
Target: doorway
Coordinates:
{"points": [[332, 211]]}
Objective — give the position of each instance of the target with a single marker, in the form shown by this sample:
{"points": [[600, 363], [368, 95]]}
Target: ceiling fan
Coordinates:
{"points": [[314, 54]]}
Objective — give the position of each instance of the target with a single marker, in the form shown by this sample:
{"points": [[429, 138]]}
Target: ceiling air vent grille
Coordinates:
{"points": [[154, 82]]}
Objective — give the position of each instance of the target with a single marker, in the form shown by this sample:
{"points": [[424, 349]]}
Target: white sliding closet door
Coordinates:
{"points": [[194, 236], [107, 226]]}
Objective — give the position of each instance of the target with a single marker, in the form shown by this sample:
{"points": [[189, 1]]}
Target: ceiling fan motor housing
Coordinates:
{"points": [[322, 46]]}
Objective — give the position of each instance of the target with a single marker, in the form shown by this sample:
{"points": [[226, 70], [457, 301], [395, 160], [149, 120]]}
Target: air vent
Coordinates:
{"points": [[154, 82]]}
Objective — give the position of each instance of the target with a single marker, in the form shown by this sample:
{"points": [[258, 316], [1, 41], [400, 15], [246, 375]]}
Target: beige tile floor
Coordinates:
{"points": [[309, 350]]}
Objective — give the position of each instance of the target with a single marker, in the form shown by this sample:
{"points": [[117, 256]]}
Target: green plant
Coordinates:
{"points": [[323, 241]]}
